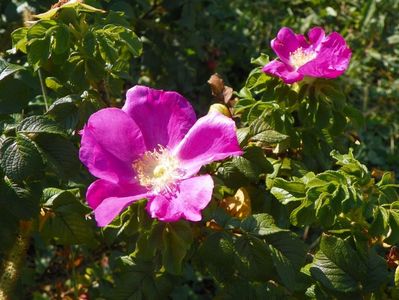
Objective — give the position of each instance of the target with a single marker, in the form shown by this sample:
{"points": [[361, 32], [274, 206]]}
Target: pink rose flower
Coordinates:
{"points": [[153, 148], [319, 56]]}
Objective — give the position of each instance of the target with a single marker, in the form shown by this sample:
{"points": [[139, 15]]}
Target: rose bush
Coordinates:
{"points": [[108, 192]]}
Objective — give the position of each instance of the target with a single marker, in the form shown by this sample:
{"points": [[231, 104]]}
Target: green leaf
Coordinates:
{"points": [[252, 163], [177, 238], [132, 42], [290, 245], [287, 191], [331, 276], [40, 28], [253, 258], [393, 237], [18, 201], [380, 223], [339, 267], [39, 51], [53, 83], [66, 223], [19, 39], [269, 137], [217, 254], [284, 268], [304, 214], [60, 153], [260, 224], [20, 159], [61, 39], [108, 50], [261, 61], [65, 111], [139, 280], [7, 69], [40, 124]]}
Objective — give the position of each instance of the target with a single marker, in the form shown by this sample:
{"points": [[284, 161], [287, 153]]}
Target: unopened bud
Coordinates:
{"points": [[220, 108]]}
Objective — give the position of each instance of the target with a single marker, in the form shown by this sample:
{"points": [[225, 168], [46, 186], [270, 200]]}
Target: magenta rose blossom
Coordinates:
{"points": [[153, 148], [318, 56]]}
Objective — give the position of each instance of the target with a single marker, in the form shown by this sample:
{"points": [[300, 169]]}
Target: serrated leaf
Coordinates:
{"points": [[331, 276], [40, 124], [339, 267], [269, 137], [20, 159], [284, 267], [252, 163], [260, 224], [60, 153]]}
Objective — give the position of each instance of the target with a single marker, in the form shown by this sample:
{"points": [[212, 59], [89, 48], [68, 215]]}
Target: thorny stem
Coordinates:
{"points": [[44, 93], [14, 261]]}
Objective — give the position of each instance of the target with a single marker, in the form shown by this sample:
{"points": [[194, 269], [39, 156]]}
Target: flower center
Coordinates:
{"points": [[157, 169], [300, 57]]}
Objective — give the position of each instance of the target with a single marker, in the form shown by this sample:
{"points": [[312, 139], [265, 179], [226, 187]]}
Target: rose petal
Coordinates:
{"points": [[164, 117], [331, 61], [192, 196], [285, 72], [285, 43], [108, 208], [102, 189], [303, 43], [316, 36], [213, 137], [111, 141]]}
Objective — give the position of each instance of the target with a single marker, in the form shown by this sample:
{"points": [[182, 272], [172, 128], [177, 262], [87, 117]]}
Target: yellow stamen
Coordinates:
{"points": [[157, 169], [300, 57]]}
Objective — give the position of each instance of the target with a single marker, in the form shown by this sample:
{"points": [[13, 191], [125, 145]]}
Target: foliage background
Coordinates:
{"points": [[184, 42]]}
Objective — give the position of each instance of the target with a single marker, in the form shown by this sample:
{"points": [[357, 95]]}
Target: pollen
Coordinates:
{"points": [[157, 170], [300, 57]]}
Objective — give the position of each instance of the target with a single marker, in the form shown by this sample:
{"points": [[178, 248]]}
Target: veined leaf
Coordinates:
{"points": [[40, 124], [20, 159]]}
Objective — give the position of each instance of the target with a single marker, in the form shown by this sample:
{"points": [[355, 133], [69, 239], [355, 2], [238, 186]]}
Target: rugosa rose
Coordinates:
{"points": [[153, 148], [319, 56]]}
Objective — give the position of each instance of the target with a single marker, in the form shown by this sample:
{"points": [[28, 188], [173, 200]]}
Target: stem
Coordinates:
{"points": [[12, 264], [44, 93]]}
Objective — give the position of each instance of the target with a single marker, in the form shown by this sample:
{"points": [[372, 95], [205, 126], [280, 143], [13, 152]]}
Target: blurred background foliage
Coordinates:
{"points": [[183, 43]]}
